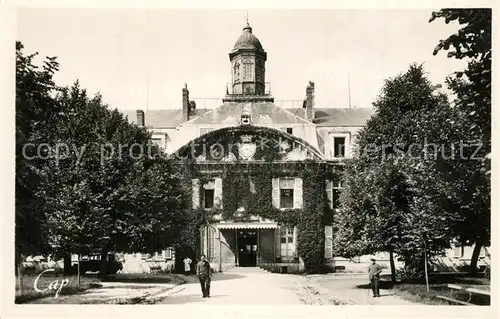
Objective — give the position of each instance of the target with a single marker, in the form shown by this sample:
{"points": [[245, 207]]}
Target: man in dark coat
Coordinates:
{"points": [[204, 273], [374, 271]]}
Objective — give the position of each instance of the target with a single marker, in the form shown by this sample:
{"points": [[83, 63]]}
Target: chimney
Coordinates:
{"points": [[140, 117], [310, 102], [185, 103]]}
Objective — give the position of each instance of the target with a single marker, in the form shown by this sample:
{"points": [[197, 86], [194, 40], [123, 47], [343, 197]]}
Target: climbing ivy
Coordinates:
{"points": [[249, 185]]}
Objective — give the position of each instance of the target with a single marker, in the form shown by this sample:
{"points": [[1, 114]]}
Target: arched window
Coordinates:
{"points": [[248, 70], [236, 71]]}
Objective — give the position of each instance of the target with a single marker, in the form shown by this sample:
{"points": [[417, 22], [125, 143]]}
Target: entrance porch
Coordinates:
{"points": [[229, 245]]}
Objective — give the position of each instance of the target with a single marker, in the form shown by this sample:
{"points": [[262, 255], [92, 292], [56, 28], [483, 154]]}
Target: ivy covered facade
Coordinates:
{"points": [[264, 179], [257, 207]]}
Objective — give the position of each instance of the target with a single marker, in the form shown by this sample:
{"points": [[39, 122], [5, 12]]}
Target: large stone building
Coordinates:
{"points": [[308, 132], [232, 135]]}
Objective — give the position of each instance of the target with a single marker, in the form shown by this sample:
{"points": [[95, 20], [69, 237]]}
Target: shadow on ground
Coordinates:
{"points": [[215, 277], [382, 285], [224, 276], [180, 299]]}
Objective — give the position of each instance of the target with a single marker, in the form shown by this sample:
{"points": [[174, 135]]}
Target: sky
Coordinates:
{"points": [[141, 58]]}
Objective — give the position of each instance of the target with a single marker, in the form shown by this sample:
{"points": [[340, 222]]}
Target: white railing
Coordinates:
{"points": [[212, 103]]}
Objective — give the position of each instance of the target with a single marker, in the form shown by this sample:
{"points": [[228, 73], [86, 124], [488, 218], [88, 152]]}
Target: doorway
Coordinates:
{"points": [[247, 247]]}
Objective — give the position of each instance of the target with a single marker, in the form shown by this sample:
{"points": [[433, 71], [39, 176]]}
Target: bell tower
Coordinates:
{"points": [[248, 70]]}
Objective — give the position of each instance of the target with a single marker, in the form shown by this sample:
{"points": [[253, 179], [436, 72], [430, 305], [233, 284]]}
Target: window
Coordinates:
{"points": [[208, 195], [286, 242], [289, 130], [211, 245], [458, 252], [333, 189], [208, 198], [167, 253], [236, 71], [157, 141], [286, 193], [338, 146], [248, 70]]}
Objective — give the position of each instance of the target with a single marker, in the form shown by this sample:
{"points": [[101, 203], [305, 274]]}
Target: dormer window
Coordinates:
{"points": [[245, 118]]}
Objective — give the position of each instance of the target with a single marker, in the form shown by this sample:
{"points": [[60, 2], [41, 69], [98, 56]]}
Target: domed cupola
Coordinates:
{"points": [[248, 40], [248, 67]]}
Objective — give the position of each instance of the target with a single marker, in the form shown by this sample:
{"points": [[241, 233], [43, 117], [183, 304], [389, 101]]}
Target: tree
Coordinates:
{"points": [[87, 180], [394, 197], [108, 189], [36, 115], [472, 88]]}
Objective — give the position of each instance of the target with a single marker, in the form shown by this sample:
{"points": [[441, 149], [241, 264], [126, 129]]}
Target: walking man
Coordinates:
{"points": [[187, 265], [374, 271], [204, 273]]}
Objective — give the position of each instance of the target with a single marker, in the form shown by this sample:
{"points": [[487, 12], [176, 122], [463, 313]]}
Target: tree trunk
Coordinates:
{"points": [[393, 266], [103, 263], [475, 256], [67, 264]]}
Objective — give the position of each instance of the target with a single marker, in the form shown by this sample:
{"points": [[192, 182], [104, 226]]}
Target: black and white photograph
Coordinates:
{"points": [[258, 156]]}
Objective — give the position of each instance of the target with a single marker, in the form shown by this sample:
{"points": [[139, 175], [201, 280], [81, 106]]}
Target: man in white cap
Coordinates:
{"points": [[374, 271]]}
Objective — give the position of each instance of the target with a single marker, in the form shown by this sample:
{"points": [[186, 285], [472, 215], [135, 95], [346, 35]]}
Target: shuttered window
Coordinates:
{"points": [[287, 192], [212, 193], [340, 144], [333, 189]]}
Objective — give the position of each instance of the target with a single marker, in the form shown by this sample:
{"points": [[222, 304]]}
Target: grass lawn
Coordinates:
{"points": [[29, 293], [417, 292]]}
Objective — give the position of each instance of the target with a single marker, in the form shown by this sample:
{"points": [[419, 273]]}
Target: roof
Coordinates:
{"points": [[167, 118], [248, 40], [331, 116], [263, 113]]}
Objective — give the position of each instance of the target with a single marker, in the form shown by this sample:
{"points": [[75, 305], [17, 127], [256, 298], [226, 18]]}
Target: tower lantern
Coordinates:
{"points": [[248, 70]]}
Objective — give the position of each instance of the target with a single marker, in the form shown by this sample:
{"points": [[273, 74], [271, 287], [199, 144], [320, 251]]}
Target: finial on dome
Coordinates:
{"points": [[247, 27]]}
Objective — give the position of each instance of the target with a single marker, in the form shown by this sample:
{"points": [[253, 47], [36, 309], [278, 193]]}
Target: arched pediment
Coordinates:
{"points": [[247, 143]]}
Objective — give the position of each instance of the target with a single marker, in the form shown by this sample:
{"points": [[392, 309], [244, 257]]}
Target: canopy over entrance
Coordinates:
{"points": [[247, 226]]}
